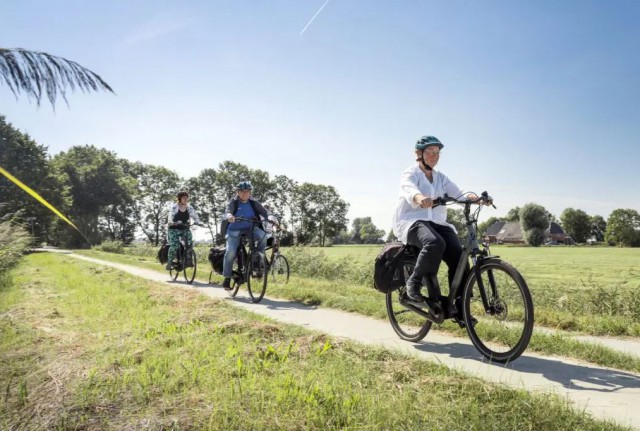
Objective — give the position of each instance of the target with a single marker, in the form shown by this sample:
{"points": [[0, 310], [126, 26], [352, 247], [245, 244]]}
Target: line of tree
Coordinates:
{"points": [[111, 198], [621, 228]]}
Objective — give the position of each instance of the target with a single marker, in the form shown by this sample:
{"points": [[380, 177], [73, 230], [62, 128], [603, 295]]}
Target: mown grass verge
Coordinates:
{"points": [[88, 347], [363, 299]]}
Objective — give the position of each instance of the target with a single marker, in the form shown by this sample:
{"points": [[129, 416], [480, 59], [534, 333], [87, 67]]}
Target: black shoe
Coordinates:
{"points": [[413, 293], [226, 283], [460, 321]]}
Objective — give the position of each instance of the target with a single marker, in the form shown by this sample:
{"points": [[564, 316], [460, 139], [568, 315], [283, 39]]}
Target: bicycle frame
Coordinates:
{"points": [[242, 247], [470, 249]]}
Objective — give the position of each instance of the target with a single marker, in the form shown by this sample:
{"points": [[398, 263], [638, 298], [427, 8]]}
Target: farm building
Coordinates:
{"points": [[509, 232]]}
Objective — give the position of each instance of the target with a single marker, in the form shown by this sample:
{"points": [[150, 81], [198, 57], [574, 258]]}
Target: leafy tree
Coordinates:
{"points": [[320, 212], [342, 237], [118, 223], [23, 158], [576, 223], [365, 232], [534, 221], [35, 73], [552, 218], [534, 236], [455, 216], [92, 180], [206, 198], [391, 237], [283, 191], [157, 186], [513, 214], [623, 227], [598, 227]]}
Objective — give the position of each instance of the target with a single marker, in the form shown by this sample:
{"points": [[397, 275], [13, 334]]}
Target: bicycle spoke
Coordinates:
{"points": [[190, 266], [501, 332], [407, 324], [279, 269], [257, 277]]}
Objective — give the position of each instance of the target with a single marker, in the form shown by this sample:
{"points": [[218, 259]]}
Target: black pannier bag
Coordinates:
{"points": [[388, 272], [163, 253], [216, 258]]}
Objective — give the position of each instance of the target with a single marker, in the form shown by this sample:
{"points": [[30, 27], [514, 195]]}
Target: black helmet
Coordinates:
{"points": [[427, 141]]}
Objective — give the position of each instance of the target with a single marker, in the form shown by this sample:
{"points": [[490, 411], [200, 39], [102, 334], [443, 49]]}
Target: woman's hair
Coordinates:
{"points": [[181, 195]]}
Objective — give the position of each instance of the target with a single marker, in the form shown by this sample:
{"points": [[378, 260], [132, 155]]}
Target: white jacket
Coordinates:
{"points": [[412, 182]]}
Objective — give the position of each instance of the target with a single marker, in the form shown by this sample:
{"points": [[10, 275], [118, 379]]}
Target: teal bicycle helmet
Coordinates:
{"points": [[427, 141], [245, 185]]}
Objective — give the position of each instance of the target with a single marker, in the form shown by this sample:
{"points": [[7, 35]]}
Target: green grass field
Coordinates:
{"points": [[83, 346], [553, 267], [326, 281]]}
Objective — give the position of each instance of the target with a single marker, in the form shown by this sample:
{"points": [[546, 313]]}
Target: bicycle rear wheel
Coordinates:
{"points": [[258, 275], [279, 270], [238, 273], [190, 271], [406, 323], [501, 334]]}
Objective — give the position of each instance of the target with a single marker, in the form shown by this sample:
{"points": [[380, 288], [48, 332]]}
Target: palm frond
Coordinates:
{"points": [[38, 73]]}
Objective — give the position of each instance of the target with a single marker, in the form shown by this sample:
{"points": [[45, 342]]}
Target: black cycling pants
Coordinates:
{"points": [[436, 243]]}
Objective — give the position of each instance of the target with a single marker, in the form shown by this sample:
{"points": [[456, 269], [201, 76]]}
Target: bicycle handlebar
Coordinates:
{"points": [[484, 198], [253, 220], [183, 224]]}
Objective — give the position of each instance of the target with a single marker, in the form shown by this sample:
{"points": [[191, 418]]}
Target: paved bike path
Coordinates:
{"points": [[605, 393]]}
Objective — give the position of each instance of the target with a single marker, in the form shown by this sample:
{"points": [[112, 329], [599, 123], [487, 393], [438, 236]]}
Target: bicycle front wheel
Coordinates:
{"points": [[190, 270], [408, 324], [174, 271], [501, 332], [257, 276], [280, 270]]}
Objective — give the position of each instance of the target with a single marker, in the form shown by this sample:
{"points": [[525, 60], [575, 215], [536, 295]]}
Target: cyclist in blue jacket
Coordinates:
{"points": [[242, 205]]}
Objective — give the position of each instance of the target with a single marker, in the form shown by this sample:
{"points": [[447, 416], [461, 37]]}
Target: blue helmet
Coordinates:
{"points": [[427, 141], [245, 185]]}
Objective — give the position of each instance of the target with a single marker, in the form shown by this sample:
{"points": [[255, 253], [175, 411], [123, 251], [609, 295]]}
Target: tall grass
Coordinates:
{"points": [[14, 242], [592, 290]]}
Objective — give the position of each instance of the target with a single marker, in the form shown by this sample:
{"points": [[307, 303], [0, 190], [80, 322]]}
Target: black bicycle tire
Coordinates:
{"points": [[393, 297], [525, 336], [195, 266], [174, 272], [262, 281], [286, 274], [235, 284]]}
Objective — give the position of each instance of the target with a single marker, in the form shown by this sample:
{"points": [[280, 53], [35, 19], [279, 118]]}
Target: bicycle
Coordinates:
{"points": [[249, 265], [497, 306], [277, 264], [185, 262]]}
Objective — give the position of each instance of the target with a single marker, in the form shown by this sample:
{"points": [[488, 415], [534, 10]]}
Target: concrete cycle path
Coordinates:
{"points": [[603, 392]]}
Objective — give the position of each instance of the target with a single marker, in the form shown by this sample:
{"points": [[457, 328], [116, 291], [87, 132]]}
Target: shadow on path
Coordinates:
{"points": [[569, 375]]}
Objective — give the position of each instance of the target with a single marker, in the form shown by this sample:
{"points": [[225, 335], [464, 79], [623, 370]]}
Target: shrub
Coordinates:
{"points": [[14, 242], [112, 247]]}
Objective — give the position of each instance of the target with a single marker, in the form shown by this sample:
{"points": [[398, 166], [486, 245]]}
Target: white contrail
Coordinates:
{"points": [[314, 17]]}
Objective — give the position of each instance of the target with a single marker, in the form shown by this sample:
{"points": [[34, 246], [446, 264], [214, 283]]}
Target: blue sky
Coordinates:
{"points": [[534, 101]]}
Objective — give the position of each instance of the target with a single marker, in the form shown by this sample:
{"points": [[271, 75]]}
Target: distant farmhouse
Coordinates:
{"points": [[509, 232]]}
